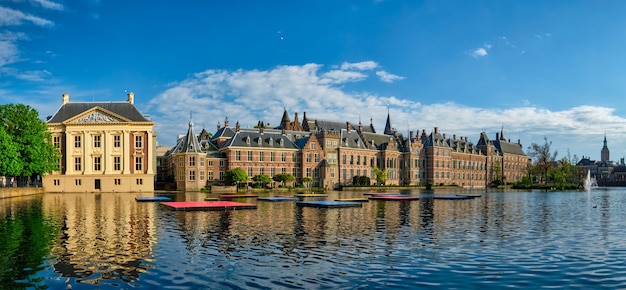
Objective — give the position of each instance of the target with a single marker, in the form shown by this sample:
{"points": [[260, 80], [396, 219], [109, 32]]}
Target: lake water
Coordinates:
{"points": [[502, 239]]}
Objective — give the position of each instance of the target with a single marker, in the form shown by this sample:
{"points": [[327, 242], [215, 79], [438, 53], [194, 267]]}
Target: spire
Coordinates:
{"points": [[388, 130], [605, 153], [190, 143]]}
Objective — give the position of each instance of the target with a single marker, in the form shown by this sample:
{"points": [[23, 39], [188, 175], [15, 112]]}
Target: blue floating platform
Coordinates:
{"points": [[328, 203], [394, 197], [452, 197], [278, 198], [153, 198]]}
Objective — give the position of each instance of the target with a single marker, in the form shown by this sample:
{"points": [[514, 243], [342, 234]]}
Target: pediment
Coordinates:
{"points": [[97, 115]]}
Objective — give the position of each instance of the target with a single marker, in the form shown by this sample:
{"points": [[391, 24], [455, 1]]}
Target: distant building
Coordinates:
{"points": [[332, 153], [105, 147], [605, 171]]}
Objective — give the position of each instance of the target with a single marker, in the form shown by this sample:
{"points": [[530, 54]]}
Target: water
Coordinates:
{"points": [[532, 239], [589, 182]]}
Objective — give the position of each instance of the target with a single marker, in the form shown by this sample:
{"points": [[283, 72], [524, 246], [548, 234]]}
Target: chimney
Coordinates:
{"points": [[444, 136], [66, 98], [436, 130], [226, 123], [411, 135], [453, 136], [261, 130], [237, 126], [131, 97], [348, 126], [219, 126], [497, 136]]}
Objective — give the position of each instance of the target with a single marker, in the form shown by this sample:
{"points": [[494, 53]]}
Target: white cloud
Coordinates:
{"points": [[49, 4], [364, 65], [9, 52], [34, 76], [248, 96], [479, 52], [14, 17], [388, 77]]}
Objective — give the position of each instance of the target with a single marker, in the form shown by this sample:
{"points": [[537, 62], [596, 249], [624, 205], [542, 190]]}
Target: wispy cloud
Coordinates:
{"points": [[48, 4], [14, 17], [248, 96], [364, 65], [388, 77], [9, 52]]}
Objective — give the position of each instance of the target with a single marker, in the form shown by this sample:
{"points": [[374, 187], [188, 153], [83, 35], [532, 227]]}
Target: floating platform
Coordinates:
{"points": [[452, 197], [231, 196], [153, 198], [278, 198], [211, 199], [394, 197], [328, 203], [207, 205], [311, 195], [353, 199]]}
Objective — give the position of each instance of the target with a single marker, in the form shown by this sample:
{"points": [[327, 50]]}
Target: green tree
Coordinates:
{"points": [[32, 139], [543, 158], [381, 176], [307, 180], [10, 164], [262, 179], [235, 176], [283, 178]]}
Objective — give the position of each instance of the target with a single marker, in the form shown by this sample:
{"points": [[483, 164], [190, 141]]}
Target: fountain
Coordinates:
{"points": [[589, 182]]}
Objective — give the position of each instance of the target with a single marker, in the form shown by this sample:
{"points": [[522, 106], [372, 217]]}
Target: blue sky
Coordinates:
{"points": [[538, 69]]}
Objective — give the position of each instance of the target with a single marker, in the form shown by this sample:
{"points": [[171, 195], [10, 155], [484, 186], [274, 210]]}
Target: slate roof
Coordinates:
{"points": [[189, 143], [71, 109], [508, 147], [380, 141], [325, 125], [255, 139]]}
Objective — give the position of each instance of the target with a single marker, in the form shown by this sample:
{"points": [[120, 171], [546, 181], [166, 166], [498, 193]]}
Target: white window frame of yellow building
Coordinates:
{"points": [[117, 163], [138, 141], [77, 141], [78, 164], [117, 141], [138, 164], [97, 141], [97, 163]]}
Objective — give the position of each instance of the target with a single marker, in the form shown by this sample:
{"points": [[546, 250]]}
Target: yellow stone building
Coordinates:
{"points": [[105, 147]]}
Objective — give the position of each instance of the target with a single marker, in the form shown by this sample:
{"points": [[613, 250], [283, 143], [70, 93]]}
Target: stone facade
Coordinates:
{"points": [[331, 153], [105, 147]]}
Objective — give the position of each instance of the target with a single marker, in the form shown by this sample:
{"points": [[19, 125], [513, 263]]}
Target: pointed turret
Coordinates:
{"points": [[285, 122], [388, 129], [190, 143], [605, 153]]}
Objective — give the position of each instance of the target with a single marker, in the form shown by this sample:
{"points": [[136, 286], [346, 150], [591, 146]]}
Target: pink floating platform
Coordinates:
{"points": [[207, 205], [381, 193], [393, 197], [230, 196]]}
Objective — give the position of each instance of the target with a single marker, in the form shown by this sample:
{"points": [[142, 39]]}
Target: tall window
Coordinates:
{"points": [[210, 177], [249, 155], [138, 141], [78, 164], [192, 175], [283, 157], [77, 141], [96, 141], [97, 166], [201, 174], [192, 161], [57, 141], [261, 156], [117, 141], [272, 156], [317, 157], [117, 163], [308, 157], [138, 163], [238, 155]]}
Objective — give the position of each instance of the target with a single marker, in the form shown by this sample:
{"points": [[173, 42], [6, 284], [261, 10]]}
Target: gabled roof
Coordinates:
{"points": [[351, 139], [326, 125], [435, 139], [123, 109], [376, 141]]}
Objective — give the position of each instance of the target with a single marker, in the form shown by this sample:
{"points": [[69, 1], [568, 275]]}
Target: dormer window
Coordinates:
{"points": [[280, 142], [271, 141], [259, 141], [248, 140]]}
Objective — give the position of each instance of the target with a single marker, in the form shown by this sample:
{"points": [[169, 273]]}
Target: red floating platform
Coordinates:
{"points": [[394, 197], [207, 205]]}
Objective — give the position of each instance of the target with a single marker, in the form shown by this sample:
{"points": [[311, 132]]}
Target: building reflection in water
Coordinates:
{"points": [[104, 236]]}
